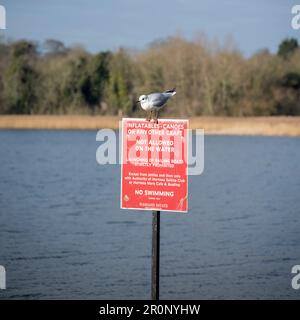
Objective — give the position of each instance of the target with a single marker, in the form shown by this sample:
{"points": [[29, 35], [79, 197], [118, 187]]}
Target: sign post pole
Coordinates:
{"points": [[154, 174], [155, 254]]}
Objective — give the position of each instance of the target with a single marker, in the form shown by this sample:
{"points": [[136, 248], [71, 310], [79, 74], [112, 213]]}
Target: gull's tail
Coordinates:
{"points": [[172, 91]]}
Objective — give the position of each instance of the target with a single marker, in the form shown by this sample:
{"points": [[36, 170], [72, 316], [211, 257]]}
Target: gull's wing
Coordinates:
{"points": [[157, 99]]}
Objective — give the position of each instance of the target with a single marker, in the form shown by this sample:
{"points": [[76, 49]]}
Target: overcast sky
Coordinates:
{"points": [[109, 24]]}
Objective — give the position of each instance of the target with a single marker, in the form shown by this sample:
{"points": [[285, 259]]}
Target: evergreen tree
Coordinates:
{"points": [[287, 47], [21, 79]]}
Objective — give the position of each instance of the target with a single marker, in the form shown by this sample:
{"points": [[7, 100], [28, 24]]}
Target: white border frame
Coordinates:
{"points": [[187, 167]]}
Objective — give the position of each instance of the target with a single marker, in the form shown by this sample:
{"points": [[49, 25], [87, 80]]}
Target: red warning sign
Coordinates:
{"points": [[154, 165]]}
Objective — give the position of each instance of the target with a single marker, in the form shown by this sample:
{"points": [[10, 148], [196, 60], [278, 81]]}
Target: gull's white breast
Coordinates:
{"points": [[145, 105]]}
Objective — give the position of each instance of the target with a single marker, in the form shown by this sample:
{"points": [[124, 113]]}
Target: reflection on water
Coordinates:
{"points": [[62, 234]]}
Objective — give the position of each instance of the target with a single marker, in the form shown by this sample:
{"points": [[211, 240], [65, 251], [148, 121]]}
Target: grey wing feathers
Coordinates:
{"points": [[158, 99]]}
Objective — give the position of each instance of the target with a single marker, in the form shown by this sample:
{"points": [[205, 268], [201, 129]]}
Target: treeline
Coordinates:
{"points": [[210, 80]]}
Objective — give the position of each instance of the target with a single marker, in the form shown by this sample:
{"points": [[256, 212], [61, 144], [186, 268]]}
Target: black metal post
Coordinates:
{"points": [[155, 254]]}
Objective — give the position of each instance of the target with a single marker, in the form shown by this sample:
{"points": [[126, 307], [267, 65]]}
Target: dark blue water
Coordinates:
{"points": [[62, 234]]}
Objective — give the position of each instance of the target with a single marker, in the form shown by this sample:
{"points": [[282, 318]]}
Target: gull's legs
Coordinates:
{"points": [[156, 116], [149, 115]]}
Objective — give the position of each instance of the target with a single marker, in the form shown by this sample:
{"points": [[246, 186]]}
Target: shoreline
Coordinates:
{"points": [[265, 126]]}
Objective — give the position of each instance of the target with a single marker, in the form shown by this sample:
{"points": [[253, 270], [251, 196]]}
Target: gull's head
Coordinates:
{"points": [[142, 98]]}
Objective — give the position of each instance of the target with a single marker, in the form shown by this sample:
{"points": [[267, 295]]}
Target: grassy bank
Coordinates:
{"points": [[269, 126]]}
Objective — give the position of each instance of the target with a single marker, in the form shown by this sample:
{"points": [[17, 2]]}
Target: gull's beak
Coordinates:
{"points": [[137, 101]]}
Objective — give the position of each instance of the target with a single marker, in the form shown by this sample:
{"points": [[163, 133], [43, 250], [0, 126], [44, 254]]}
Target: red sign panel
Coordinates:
{"points": [[154, 165]]}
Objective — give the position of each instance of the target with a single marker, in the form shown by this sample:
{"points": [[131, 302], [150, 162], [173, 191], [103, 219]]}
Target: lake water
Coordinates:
{"points": [[62, 234]]}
